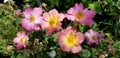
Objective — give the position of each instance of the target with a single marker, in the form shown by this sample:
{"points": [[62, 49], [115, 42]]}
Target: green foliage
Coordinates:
{"points": [[85, 53]]}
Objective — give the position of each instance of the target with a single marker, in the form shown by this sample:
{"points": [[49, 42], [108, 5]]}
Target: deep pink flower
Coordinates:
{"points": [[52, 21], [70, 40], [93, 37], [79, 14], [21, 40], [32, 18]]}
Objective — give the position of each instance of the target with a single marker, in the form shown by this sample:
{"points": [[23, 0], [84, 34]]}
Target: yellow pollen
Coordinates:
{"points": [[21, 40], [93, 37], [31, 18], [71, 39], [52, 20], [79, 15]]}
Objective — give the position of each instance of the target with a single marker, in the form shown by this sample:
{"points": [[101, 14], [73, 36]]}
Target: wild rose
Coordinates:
{"points": [[79, 14], [32, 18], [21, 40], [52, 21], [93, 37], [69, 40]]}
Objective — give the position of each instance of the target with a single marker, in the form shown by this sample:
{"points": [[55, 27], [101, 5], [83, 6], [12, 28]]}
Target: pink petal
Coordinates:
{"points": [[80, 37], [70, 17], [37, 12], [54, 11], [78, 6], [76, 49], [89, 13], [87, 21], [71, 11], [19, 46], [16, 40], [27, 25], [45, 16], [27, 12], [65, 48], [61, 17]]}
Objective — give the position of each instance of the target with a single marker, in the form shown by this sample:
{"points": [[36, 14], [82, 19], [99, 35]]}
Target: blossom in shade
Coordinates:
{"points": [[93, 37], [52, 21], [69, 40], [21, 40], [32, 18], [79, 14], [17, 12]]}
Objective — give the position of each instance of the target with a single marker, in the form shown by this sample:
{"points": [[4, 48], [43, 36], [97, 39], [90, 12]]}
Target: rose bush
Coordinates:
{"points": [[59, 29]]}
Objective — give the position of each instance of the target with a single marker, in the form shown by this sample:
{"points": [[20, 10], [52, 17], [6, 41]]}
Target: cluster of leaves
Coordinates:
{"points": [[107, 20]]}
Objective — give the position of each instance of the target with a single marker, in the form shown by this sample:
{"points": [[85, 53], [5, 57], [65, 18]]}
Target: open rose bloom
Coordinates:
{"points": [[21, 40], [79, 14], [32, 18], [52, 21], [69, 40], [93, 37]]}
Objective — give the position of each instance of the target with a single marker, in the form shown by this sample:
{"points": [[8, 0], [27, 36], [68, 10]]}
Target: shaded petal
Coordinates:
{"points": [[86, 21], [19, 46], [89, 13]]}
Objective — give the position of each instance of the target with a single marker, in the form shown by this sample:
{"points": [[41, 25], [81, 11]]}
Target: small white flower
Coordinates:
{"points": [[52, 54], [6, 1]]}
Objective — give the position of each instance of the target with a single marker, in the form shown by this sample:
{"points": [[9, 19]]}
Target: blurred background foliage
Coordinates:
{"points": [[107, 21]]}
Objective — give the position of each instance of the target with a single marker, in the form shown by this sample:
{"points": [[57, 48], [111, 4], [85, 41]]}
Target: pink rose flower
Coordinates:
{"points": [[93, 37], [32, 18], [69, 40], [52, 21], [21, 40], [79, 14]]}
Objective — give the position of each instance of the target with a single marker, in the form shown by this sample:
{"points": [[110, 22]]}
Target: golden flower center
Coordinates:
{"points": [[31, 18], [79, 15], [71, 39], [52, 20], [21, 40], [93, 37]]}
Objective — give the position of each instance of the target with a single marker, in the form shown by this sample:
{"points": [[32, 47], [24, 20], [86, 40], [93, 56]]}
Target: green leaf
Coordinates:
{"points": [[20, 55], [85, 53], [95, 6]]}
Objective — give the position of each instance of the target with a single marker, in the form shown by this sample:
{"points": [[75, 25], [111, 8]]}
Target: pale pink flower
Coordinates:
{"points": [[93, 37], [52, 21], [79, 14], [21, 40], [17, 12], [32, 18], [69, 40]]}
